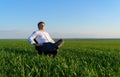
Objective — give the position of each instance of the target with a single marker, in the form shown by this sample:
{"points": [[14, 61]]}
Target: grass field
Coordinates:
{"points": [[76, 58]]}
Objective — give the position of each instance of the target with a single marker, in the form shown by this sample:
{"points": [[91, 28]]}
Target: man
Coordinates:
{"points": [[43, 42]]}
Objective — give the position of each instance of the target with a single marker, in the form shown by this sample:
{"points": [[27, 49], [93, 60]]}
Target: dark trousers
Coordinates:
{"points": [[49, 48]]}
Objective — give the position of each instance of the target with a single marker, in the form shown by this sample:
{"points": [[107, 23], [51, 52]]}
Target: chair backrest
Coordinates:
{"points": [[35, 41]]}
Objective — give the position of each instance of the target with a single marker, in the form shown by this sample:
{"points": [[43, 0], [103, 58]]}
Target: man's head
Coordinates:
{"points": [[41, 25]]}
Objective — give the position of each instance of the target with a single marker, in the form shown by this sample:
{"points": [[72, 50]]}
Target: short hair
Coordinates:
{"points": [[40, 23]]}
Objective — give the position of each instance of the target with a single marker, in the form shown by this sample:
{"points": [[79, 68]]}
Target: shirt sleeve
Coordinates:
{"points": [[32, 37]]}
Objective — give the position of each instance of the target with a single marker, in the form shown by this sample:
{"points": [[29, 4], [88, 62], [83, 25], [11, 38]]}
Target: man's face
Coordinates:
{"points": [[41, 26]]}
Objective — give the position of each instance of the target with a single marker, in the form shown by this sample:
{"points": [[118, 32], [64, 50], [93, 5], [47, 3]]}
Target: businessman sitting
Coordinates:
{"points": [[43, 42]]}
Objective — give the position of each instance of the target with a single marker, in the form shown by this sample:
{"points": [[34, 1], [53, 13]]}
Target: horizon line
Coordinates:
{"points": [[55, 38]]}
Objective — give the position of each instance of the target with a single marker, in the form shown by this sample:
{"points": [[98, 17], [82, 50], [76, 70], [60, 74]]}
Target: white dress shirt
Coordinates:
{"points": [[41, 37]]}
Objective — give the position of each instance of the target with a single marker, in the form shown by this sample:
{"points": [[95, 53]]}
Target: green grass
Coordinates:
{"points": [[76, 58]]}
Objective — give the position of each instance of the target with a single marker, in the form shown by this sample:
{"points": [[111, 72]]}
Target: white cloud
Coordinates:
{"points": [[85, 35], [23, 34], [13, 34]]}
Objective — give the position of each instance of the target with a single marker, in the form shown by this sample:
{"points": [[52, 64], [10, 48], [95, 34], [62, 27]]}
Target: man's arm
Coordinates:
{"points": [[32, 37], [50, 39]]}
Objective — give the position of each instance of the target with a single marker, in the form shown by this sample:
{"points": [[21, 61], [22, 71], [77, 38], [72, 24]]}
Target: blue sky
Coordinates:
{"points": [[63, 18]]}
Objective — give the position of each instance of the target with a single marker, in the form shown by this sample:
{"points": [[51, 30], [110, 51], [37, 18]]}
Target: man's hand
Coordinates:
{"points": [[38, 45]]}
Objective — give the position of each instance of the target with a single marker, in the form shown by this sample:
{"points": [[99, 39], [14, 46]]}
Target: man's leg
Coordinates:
{"points": [[49, 48], [59, 43], [45, 49], [52, 48]]}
